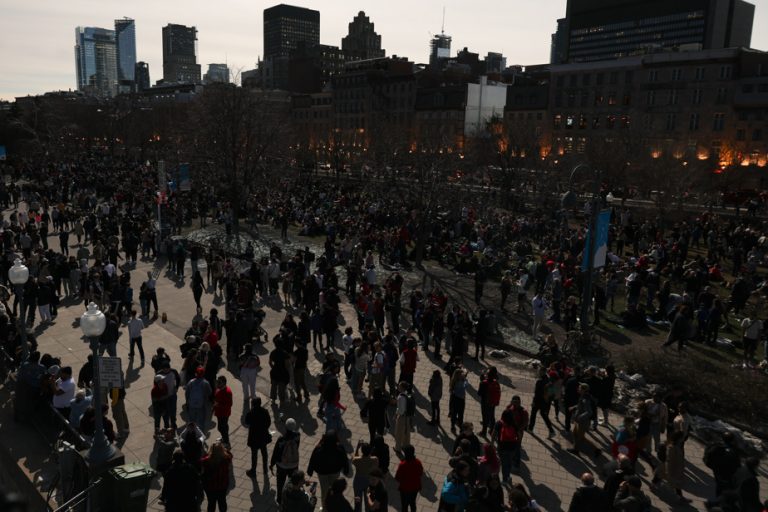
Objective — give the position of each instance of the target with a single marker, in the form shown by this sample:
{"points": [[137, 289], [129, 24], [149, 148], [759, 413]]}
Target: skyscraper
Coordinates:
{"points": [[180, 54], [362, 42], [125, 35], [217, 73], [96, 61], [608, 29], [439, 50], [285, 26], [141, 77]]}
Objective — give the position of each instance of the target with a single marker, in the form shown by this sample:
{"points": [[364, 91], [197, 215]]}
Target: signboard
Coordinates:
{"points": [[110, 372], [2, 152], [185, 178], [601, 241]]}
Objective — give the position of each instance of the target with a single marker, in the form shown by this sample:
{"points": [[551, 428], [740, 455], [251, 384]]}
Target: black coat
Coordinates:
{"points": [[258, 421], [182, 488], [588, 499]]}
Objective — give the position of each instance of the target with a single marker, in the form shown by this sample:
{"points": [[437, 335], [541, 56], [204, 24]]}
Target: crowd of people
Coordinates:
{"points": [[107, 207]]}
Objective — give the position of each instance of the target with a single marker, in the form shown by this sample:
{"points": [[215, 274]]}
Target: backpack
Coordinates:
{"points": [[507, 433], [290, 456], [159, 390], [410, 405], [494, 392]]}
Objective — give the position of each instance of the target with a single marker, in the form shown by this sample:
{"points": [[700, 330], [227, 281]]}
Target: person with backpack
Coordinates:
{"points": [[406, 409], [724, 460], [543, 394], [286, 454], [490, 396], [505, 435]]}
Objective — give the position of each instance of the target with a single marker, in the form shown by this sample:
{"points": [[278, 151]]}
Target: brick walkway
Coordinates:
{"points": [[550, 473]]}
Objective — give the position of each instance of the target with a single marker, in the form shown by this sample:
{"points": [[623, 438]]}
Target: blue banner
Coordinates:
{"points": [[185, 179], [2, 153], [601, 242]]}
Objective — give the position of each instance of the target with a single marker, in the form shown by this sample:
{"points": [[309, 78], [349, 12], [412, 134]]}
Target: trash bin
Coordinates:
{"points": [[126, 488]]}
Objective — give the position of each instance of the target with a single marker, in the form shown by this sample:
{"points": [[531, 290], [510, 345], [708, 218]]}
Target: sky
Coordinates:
{"points": [[37, 37]]}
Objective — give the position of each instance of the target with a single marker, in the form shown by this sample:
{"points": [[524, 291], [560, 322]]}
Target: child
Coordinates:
{"points": [[435, 393]]}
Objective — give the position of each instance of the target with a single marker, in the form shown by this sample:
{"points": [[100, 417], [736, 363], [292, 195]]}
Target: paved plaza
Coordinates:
{"points": [[550, 473]]}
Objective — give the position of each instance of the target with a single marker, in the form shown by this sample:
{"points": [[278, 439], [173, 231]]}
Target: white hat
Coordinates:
{"points": [[291, 425]]}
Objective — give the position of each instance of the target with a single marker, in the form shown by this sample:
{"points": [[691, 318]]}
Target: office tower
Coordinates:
{"points": [[607, 29], [362, 42], [180, 54], [217, 73], [141, 77], [125, 36], [495, 62], [285, 27], [96, 61], [439, 50]]}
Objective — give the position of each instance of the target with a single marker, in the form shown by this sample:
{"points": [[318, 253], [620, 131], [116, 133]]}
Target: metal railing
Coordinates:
{"points": [[76, 500]]}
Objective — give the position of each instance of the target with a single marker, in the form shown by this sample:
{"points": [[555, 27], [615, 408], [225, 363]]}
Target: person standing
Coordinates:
{"points": [[222, 407], [490, 396], [538, 308], [328, 459], [363, 463], [542, 399], [588, 497], [378, 419], [406, 409], [258, 421], [672, 469], [408, 476], [582, 418], [457, 401], [159, 395], [286, 454], [507, 438], [182, 487], [751, 328], [435, 393], [377, 497], [122, 427], [249, 370], [135, 326], [216, 465], [198, 393], [724, 460]]}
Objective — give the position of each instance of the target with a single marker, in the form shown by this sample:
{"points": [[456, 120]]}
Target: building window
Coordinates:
{"points": [[725, 72], [722, 95], [559, 99], [613, 78], [598, 98], [571, 99], [718, 122], [717, 146], [569, 122], [677, 74], [671, 122], [610, 122], [560, 80], [557, 122], [539, 116], [628, 77], [573, 80], [693, 124], [673, 97], [627, 98], [757, 134], [596, 122], [697, 94], [584, 98], [625, 122], [586, 79], [648, 122], [700, 73], [651, 98], [600, 78], [741, 134], [653, 75], [582, 122], [612, 98]]}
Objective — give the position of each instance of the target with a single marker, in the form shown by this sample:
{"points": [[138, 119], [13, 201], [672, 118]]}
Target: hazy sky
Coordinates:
{"points": [[37, 37]]}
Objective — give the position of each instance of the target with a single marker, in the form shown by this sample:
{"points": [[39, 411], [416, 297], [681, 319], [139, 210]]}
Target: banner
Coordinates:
{"points": [[2, 153], [601, 241], [185, 179]]}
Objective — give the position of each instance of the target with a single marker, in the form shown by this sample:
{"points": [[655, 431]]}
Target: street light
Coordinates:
{"points": [[18, 274], [93, 322], [568, 201]]}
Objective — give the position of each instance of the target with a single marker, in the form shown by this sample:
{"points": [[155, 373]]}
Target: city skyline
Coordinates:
{"points": [[520, 30]]}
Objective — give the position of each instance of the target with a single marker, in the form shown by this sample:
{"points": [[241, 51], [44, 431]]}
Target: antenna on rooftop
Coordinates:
{"points": [[442, 27]]}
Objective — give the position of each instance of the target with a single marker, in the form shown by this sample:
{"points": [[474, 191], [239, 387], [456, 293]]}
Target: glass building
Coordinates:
{"points": [[96, 61], [125, 34]]}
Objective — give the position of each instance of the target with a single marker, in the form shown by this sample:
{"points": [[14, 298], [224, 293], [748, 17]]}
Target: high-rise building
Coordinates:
{"points": [[495, 62], [439, 50], [217, 73], [96, 61], [180, 54], [608, 29], [362, 42], [141, 77], [285, 26], [125, 36]]}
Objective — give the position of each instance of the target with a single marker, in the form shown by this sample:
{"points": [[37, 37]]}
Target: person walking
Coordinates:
{"points": [[490, 396], [286, 454], [135, 326], [336, 501], [222, 408], [122, 427], [672, 469], [216, 465], [364, 463], [582, 418], [250, 364], [328, 459], [198, 392], [406, 409], [543, 395], [408, 476], [539, 309], [258, 421], [197, 287]]}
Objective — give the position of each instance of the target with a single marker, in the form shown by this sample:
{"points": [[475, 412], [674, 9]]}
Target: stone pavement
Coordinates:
{"points": [[549, 472]]}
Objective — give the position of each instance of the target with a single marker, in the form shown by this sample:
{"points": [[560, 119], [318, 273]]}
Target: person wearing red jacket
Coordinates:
{"points": [[408, 476], [222, 407]]}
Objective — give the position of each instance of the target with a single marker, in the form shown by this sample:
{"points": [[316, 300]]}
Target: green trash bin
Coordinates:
{"points": [[126, 488]]}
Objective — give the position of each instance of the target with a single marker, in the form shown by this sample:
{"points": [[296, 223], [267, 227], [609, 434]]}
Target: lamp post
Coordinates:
{"points": [[18, 274], [568, 201], [93, 322]]}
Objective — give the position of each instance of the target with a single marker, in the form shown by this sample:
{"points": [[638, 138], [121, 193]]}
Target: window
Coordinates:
{"points": [[571, 99], [747, 88], [600, 78], [539, 116], [651, 99], [625, 122], [697, 94], [671, 122], [596, 123], [598, 98], [757, 134], [653, 75], [586, 79], [741, 134], [718, 122], [677, 74], [610, 122], [582, 122], [648, 122], [693, 123], [673, 97], [628, 77], [560, 80], [612, 98], [725, 72], [627, 100], [573, 80], [722, 95], [717, 146], [559, 99], [584, 98], [700, 73], [569, 122], [613, 77]]}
